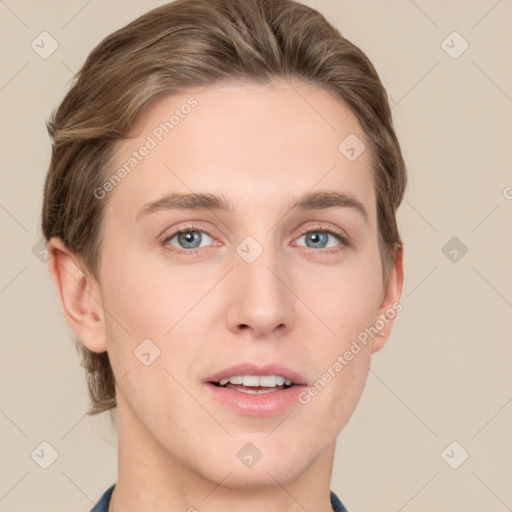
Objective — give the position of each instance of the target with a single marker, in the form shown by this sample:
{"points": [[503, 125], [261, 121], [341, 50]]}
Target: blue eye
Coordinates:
{"points": [[320, 239], [187, 239]]}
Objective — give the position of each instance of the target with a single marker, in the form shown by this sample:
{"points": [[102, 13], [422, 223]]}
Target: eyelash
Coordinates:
{"points": [[345, 242]]}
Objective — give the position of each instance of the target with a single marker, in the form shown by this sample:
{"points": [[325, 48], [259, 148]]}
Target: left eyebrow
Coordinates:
{"points": [[203, 201], [329, 199]]}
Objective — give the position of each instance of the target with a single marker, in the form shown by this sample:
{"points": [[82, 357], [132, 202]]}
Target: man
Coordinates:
{"points": [[220, 211]]}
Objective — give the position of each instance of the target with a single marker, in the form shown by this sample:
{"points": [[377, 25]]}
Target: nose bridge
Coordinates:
{"points": [[261, 299]]}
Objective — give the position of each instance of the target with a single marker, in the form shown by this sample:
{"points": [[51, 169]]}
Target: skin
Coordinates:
{"points": [[258, 145]]}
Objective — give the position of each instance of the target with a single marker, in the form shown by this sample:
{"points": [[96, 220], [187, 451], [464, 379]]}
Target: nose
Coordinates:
{"points": [[260, 297]]}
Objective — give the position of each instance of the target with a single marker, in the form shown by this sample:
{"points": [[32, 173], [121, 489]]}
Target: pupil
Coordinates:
{"points": [[188, 238], [318, 238]]}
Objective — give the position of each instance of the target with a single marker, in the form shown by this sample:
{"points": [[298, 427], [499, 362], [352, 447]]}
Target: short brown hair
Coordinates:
{"points": [[185, 44]]}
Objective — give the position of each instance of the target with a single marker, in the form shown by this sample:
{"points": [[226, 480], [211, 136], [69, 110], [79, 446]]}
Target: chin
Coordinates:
{"points": [[263, 475], [269, 468]]}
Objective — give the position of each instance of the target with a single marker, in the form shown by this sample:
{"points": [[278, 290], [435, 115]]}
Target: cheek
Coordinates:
{"points": [[347, 297], [142, 298], [350, 381], [346, 300]]}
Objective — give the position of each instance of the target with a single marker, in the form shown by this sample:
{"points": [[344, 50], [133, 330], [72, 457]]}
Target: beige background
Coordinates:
{"points": [[446, 373]]}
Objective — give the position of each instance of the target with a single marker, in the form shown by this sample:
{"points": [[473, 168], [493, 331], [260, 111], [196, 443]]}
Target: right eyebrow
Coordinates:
{"points": [[179, 201]]}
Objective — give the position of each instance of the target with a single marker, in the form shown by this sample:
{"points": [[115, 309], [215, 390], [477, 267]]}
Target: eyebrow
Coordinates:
{"points": [[205, 201]]}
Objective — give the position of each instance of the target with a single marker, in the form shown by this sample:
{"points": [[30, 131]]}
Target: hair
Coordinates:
{"points": [[185, 44]]}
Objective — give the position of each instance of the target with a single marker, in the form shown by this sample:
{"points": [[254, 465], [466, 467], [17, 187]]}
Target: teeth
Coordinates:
{"points": [[251, 380], [268, 381]]}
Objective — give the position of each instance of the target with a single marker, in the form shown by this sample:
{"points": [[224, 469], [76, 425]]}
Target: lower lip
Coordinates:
{"points": [[262, 404]]}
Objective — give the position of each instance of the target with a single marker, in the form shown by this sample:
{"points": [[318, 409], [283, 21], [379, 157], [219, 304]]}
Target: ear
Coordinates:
{"points": [[390, 305], [79, 295]]}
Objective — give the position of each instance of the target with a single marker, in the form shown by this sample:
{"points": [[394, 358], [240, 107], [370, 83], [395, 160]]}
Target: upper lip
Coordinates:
{"points": [[258, 369]]}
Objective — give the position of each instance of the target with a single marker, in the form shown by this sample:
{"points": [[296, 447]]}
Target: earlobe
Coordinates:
{"points": [[390, 305], [78, 294]]}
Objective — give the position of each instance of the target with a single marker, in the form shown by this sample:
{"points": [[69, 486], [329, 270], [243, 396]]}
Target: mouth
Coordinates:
{"points": [[253, 390], [255, 384]]}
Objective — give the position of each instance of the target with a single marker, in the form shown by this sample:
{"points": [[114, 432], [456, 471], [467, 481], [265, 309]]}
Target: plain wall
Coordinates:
{"points": [[445, 374]]}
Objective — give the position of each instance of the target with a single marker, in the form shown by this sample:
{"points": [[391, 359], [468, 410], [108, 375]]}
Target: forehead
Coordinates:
{"points": [[257, 145]]}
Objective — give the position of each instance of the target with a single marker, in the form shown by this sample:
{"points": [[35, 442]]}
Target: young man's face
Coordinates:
{"points": [[259, 282]]}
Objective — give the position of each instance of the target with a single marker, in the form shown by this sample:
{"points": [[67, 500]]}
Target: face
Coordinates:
{"points": [[255, 272]]}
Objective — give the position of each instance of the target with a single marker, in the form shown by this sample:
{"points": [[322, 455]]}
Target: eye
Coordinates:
{"points": [[187, 240], [322, 238]]}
